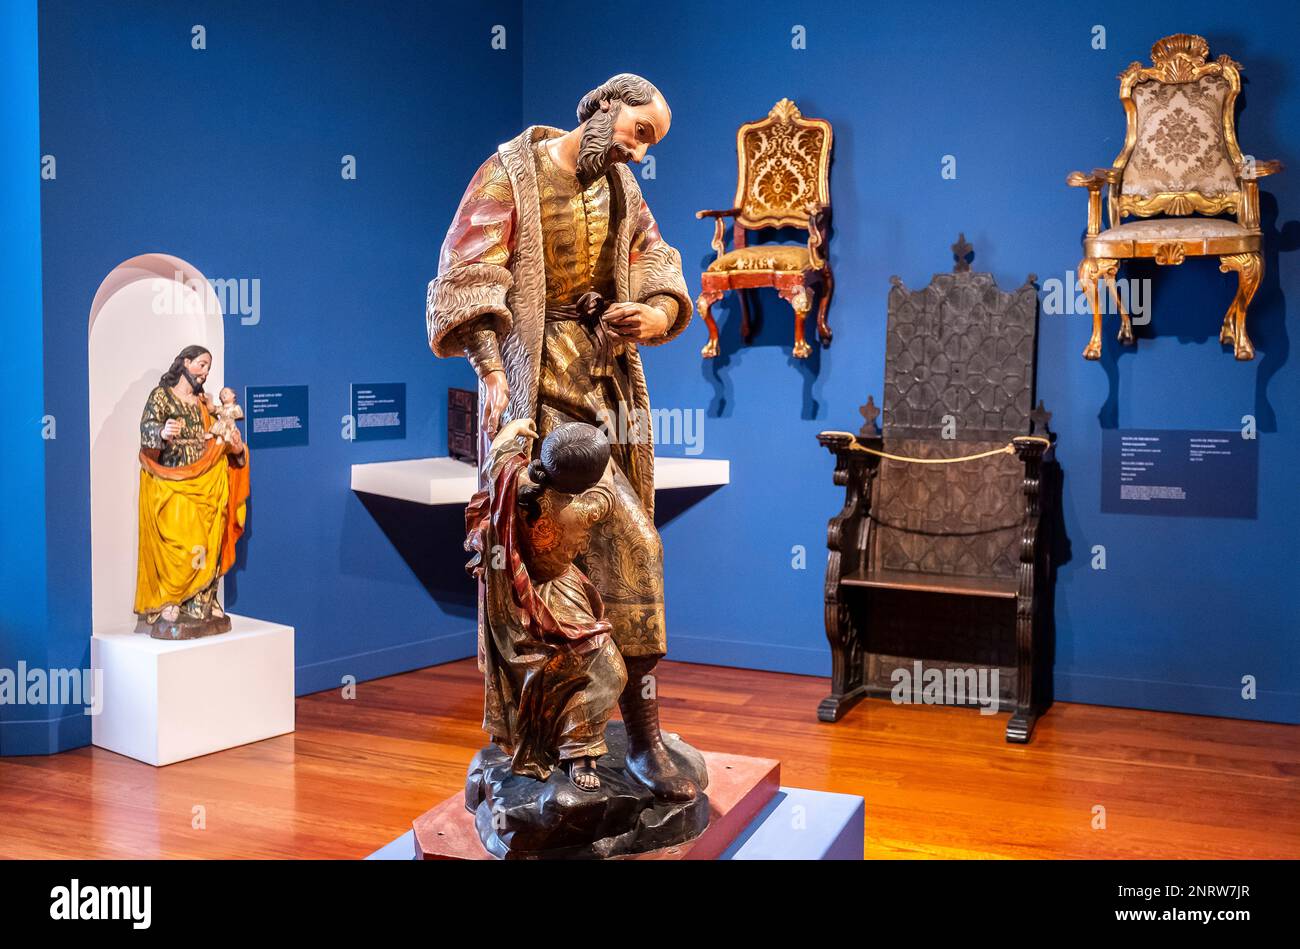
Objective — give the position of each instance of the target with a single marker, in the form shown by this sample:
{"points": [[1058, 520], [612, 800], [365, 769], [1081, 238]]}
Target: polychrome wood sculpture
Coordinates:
{"points": [[939, 555], [783, 181], [193, 489], [552, 276], [1180, 158]]}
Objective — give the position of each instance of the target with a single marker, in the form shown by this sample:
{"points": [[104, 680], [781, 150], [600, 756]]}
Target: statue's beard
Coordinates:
{"points": [[195, 386], [598, 152]]}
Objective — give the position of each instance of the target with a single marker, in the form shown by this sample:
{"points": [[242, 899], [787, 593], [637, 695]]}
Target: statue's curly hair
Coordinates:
{"points": [[572, 459], [626, 87]]}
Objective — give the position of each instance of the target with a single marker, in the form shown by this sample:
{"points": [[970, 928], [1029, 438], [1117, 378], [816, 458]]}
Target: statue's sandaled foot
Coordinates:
{"points": [[582, 772], [654, 767], [171, 614]]}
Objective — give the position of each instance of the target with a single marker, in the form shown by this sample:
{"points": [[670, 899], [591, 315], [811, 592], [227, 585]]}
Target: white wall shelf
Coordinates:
{"points": [[447, 481]]}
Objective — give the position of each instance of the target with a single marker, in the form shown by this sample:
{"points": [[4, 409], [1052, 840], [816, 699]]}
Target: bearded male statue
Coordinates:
{"points": [[552, 276]]}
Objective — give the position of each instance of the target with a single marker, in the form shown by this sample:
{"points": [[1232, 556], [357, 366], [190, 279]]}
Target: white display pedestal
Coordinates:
{"points": [[447, 481], [167, 701]]}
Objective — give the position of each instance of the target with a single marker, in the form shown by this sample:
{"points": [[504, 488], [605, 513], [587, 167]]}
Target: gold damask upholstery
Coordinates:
{"points": [[777, 257], [1180, 143], [1180, 158], [783, 180], [1172, 228]]}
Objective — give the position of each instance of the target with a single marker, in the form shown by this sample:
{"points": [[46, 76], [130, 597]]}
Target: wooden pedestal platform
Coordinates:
{"points": [[739, 788]]}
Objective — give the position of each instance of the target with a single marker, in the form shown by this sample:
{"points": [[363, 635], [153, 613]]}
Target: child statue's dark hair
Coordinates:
{"points": [[572, 459]]}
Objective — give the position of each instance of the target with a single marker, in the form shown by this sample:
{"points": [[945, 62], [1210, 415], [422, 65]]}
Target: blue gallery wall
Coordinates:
{"points": [[248, 135], [230, 157], [1186, 606], [23, 621]]}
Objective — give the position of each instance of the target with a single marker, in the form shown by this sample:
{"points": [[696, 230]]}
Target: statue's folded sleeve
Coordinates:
{"points": [[474, 267]]}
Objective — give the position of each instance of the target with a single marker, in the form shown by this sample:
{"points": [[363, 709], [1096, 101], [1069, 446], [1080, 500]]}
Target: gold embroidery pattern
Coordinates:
{"points": [[578, 243], [625, 562], [783, 179], [1180, 145]]}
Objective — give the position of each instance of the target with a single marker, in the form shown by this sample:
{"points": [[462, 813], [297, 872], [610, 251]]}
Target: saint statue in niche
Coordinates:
{"points": [[193, 491], [552, 276]]}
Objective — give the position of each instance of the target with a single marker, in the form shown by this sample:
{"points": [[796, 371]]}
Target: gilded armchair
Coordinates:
{"points": [[1180, 158], [783, 181]]}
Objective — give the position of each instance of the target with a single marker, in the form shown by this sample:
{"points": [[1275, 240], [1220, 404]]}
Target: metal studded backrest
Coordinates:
{"points": [[784, 168], [959, 362]]}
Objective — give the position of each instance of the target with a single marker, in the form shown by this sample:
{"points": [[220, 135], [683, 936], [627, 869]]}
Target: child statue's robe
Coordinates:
{"points": [[552, 672]]}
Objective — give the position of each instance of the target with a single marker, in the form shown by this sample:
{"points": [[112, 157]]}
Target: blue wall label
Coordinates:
{"points": [[277, 416], [378, 411], [1179, 473]]}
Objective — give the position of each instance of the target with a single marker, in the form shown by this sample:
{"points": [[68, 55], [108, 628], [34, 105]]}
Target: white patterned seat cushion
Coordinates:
{"points": [[1180, 144], [1173, 229]]}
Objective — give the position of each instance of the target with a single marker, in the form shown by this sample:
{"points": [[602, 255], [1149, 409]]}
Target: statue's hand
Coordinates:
{"points": [[636, 321], [171, 428], [519, 428], [235, 443], [496, 396]]}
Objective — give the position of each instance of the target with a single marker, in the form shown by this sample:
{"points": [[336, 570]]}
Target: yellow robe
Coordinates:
{"points": [[190, 516]]}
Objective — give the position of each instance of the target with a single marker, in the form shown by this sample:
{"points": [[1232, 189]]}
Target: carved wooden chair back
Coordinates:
{"points": [[1180, 152], [784, 168], [959, 376]]}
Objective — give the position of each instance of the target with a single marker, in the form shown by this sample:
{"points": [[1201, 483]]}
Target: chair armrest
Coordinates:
{"points": [[719, 242], [1093, 182], [1260, 169], [818, 221], [847, 531], [1248, 209], [1034, 448], [1034, 451]]}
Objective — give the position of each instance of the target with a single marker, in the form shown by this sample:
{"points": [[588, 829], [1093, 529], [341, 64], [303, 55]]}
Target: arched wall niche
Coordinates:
{"points": [[146, 310]]}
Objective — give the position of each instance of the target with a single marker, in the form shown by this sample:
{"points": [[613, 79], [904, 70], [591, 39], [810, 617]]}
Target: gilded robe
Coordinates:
{"points": [[495, 267], [525, 242]]}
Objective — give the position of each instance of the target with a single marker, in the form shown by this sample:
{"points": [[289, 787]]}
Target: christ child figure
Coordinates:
{"points": [[227, 412]]}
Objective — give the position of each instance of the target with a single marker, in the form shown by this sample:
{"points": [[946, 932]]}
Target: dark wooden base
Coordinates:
{"points": [[1021, 727], [184, 629], [834, 707], [521, 817], [739, 788]]}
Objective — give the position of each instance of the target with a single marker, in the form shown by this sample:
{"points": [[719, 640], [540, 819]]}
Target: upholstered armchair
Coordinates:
{"points": [[1180, 159], [783, 181]]}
